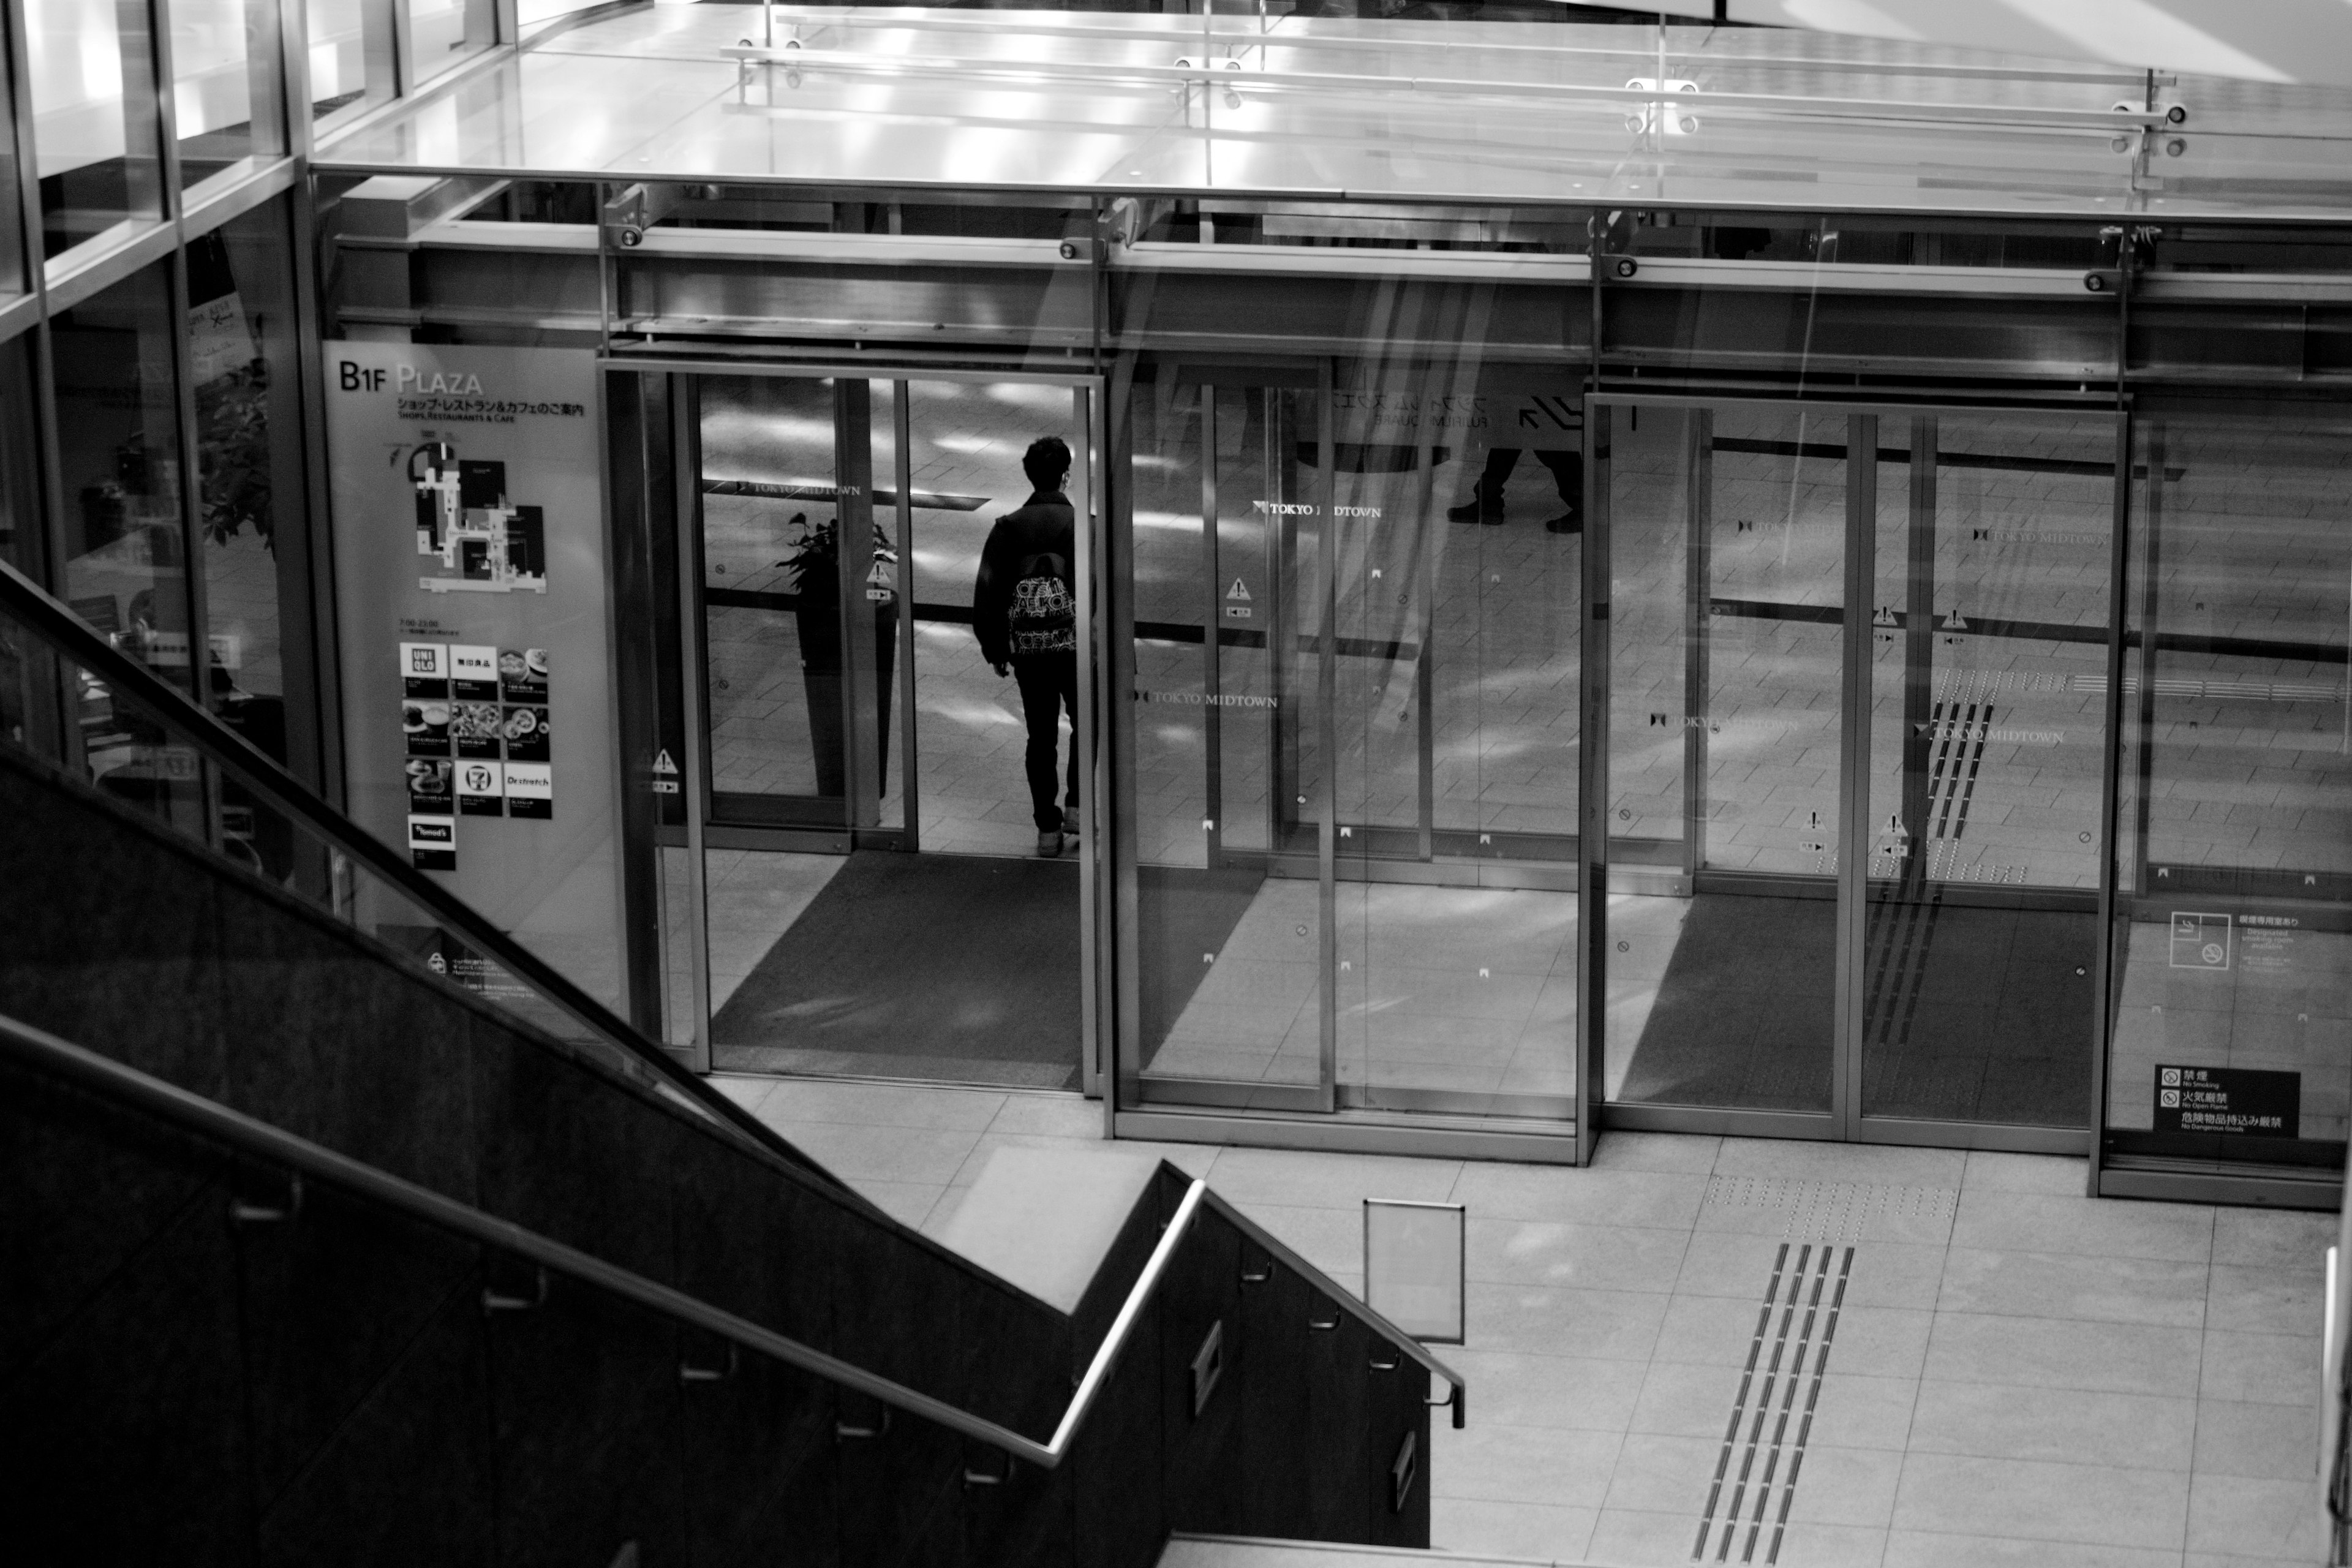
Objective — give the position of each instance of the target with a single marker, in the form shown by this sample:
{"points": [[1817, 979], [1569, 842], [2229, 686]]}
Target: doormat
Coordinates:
{"points": [[1744, 1012], [955, 967]]}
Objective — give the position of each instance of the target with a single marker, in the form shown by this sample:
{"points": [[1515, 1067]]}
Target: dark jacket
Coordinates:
{"points": [[1044, 525]]}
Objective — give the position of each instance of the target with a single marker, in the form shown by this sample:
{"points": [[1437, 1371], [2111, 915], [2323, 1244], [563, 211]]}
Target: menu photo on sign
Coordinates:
{"points": [[429, 786], [474, 729], [522, 674], [425, 723], [481, 789], [526, 734]]}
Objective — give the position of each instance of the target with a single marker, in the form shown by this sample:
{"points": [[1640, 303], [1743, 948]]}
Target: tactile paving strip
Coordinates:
{"points": [[1833, 1211], [1764, 1444]]}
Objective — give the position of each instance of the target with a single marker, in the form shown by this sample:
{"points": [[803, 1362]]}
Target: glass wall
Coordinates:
{"points": [[91, 74], [351, 55], [2232, 947], [444, 33], [227, 84], [125, 562], [244, 361]]}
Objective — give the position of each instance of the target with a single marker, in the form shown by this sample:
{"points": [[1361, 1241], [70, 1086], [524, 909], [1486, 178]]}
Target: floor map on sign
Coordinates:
{"points": [[484, 543]]}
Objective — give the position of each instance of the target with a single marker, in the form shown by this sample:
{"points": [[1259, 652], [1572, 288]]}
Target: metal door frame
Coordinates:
{"points": [[1087, 475], [1845, 1120]]}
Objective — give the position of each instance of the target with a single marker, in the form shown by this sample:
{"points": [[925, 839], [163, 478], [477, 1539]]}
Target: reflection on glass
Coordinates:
{"points": [[1988, 738], [2233, 943], [795, 617], [27, 715], [444, 32], [12, 245], [93, 119], [125, 570], [350, 54], [119, 454], [1726, 540], [249, 461], [227, 100]]}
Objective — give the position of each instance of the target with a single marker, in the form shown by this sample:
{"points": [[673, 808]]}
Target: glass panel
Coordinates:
{"points": [[1726, 541], [20, 471], [119, 450], [443, 32], [1454, 720], [249, 461], [1229, 914], [93, 117], [809, 952], [13, 279], [350, 54], [986, 783], [2232, 945], [1988, 738], [227, 96], [787, 556]]}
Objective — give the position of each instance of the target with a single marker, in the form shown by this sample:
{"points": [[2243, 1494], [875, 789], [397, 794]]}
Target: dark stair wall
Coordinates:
{"points": [[330, 1385]]}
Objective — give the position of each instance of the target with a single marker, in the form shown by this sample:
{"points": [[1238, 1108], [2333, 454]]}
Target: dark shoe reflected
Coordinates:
{"points": [[1566, 522], [1477, 508], [1049, 845]]}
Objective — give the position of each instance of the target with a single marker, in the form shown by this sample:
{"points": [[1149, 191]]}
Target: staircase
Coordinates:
{"points": [[312, 1255]]}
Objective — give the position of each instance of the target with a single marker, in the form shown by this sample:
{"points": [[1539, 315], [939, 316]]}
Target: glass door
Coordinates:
{"points": [[1725, 761], [1857, 693], [858, 880], [1351, 760]]}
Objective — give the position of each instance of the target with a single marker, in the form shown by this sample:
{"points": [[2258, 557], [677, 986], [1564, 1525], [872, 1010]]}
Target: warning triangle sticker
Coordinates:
{"points": [[1953, 623], [1240, 590], [662, 765], [1885, 617]]}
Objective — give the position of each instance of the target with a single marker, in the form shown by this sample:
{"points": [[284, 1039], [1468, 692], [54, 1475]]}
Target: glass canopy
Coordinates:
{"points": [[1298, 105]]}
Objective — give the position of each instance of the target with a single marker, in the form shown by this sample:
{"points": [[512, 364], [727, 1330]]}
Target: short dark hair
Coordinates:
{"points": [[1046, 462]]}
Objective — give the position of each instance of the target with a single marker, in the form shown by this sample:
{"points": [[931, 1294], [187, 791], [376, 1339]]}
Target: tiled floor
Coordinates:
{"points": [[2019, 1375]]}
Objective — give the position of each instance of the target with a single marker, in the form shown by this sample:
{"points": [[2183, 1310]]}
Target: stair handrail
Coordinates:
{"points": [[75, 640], [127, 1085]]}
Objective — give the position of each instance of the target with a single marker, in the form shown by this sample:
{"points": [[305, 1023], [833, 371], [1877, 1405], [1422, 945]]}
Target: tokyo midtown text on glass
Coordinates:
{"points": [[484, 543]]}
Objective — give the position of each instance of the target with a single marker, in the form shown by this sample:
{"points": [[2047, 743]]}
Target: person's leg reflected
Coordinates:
{"points": [[1485, 502], [1567, 472]]}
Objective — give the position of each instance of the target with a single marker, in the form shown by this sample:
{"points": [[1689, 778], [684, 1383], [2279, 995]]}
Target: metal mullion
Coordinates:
{"points": [[1115, 944], [902, 479], [1425, 677], [1327, 838], [1919, 648], [1212, 621], [2110, 769], [1853, 769], [1698, 675], [1592, 783], [686, 464], [1081, 743], [403, 50], [314, 685]]}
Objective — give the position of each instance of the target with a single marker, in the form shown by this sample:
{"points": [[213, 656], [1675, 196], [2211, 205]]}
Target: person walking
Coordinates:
{"points": [[1024, 609]]}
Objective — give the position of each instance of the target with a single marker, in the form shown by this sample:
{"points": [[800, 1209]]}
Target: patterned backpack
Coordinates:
{"points": [[1044, 617]]}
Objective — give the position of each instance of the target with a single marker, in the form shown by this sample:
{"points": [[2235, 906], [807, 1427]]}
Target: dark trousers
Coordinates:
{"points": [[1567, 472], [1049, 687]]}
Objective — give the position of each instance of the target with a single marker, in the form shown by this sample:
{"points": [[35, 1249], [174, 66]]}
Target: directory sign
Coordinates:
{"points": [[470, 575]]}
